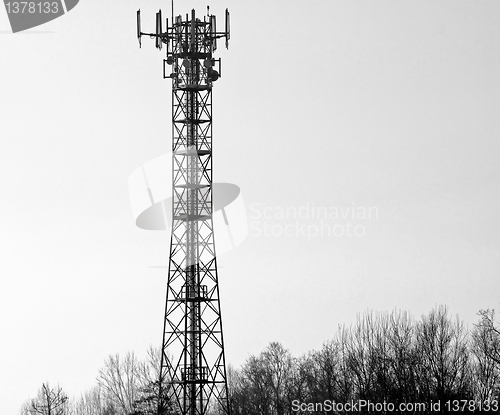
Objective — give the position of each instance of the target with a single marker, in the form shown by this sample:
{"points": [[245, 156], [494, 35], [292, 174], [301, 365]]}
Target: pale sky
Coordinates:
{"points": [[322, 105]]}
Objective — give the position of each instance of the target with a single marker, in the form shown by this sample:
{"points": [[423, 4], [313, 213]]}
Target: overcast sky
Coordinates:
{"points": [[384, 115]]}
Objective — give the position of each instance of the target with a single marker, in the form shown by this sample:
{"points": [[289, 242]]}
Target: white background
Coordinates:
{"points": [[392, 105]]}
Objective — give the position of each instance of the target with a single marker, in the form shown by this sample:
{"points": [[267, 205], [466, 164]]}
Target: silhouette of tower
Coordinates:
{"points": [[192, 374]]}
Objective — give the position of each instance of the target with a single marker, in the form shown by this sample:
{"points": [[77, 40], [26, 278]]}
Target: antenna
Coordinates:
{"points": [[139, 27], [213, 32], [166, 28], [193, 28], [227, 29], [158, 30]]}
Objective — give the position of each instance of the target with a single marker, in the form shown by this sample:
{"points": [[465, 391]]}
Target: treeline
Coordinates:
{"points": [[385, 357], [382, 358]]}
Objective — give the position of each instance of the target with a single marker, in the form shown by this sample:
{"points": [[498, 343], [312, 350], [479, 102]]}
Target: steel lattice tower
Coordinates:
{"points": [[193, 373]]}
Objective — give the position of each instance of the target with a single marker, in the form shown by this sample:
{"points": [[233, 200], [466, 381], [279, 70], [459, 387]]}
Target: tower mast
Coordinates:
{"points": [[192, 374]]}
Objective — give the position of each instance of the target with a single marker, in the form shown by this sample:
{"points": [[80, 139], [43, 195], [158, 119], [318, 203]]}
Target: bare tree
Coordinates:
{"points": [[257, 386], [302, 381], [49, 401], [93, 402], [148, 400], [240, 400], [404, 356], [491, 335], [120, 381], [265, 384], [278, 364], [360, 345], [486, 350], [324, 373], [444, 370], [25, 409]]}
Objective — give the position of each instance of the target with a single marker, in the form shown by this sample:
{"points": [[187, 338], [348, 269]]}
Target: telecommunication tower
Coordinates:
{"points": [[192, 373]]}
